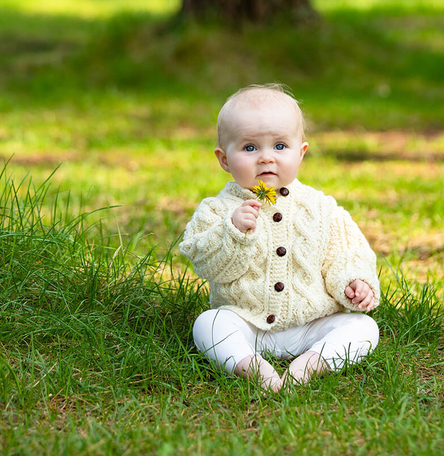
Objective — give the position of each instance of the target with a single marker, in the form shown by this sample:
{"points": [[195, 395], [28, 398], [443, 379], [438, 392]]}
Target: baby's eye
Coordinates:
{"points": [[250, 148], [280, 146]]}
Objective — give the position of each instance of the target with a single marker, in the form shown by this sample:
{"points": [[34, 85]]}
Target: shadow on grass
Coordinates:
{"points": [[357, 156]]}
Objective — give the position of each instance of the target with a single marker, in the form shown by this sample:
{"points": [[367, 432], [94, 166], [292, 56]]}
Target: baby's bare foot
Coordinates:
{"points": [[304, 367], [273, 384]]}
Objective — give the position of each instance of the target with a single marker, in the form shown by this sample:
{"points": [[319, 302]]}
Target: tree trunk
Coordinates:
{"points": [[259, 11]]}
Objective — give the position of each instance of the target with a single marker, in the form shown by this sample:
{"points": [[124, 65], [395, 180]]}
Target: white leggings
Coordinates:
{"points": [[226, 338]]}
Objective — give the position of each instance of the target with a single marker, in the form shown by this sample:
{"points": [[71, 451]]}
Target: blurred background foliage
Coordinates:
{"points": [[125, 96]]}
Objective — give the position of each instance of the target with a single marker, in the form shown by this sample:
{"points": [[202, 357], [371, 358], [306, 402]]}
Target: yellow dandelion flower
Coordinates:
{"points": [[264, 193]]}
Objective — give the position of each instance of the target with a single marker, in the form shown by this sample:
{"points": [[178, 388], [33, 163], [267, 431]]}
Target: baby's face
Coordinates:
{"points": [[262, 143]]}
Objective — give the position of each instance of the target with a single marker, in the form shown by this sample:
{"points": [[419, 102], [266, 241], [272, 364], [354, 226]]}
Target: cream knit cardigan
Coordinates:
{"points": [[325, 251]]}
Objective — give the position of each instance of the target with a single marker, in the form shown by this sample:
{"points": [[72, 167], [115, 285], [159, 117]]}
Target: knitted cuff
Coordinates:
{"points": [[337, 281]]}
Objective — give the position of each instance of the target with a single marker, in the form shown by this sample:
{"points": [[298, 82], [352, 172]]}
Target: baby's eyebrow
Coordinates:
{"points": [[281, 139], [247, 140]]}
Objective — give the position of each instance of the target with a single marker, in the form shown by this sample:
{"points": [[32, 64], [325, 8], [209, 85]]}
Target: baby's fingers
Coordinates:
{"points": [[249, 210], [366, 302], [371, 305], [255, 204], [349, 292], [249, 217], [360, 287]]}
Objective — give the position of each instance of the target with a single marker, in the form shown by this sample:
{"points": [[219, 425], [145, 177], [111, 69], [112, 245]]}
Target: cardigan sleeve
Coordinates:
{"points": [[218, 250], [348, 258]]}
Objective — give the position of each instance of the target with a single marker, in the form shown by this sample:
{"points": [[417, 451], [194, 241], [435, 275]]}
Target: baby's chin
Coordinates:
{"points": [[271, 181]]}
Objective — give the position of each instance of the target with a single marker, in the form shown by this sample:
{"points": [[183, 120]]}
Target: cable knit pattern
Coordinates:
{"points": [[324, 252]]}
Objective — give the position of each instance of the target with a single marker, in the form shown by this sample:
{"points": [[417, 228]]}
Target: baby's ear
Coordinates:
{"points": [[222, 157], [304, 147]]}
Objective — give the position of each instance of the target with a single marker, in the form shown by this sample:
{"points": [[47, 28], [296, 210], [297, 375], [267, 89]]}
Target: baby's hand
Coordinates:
{"points": [[244, 217], [360, 293]]}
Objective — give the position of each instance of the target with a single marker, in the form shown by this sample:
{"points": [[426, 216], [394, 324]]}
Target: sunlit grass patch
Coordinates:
{"points": [[90, 9], [395, 145], [388, 6]]}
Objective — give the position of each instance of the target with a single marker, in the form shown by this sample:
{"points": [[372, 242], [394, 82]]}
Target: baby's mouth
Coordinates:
{"points": [[267, 173]]}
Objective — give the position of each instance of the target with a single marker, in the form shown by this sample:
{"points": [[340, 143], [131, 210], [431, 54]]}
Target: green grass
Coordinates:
{"points": [[97, 304], [97, 358]]}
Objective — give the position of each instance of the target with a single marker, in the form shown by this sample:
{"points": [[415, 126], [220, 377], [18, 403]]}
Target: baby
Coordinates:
{"points": [[283, 277]]}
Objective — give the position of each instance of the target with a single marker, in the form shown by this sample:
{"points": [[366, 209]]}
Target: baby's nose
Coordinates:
{"points": [[266, 156]]}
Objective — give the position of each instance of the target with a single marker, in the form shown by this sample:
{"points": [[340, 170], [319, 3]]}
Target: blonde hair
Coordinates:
{"points": [[263, 92]]}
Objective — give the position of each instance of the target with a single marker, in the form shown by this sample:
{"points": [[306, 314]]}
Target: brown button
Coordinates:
{"points": [[270, 319], [284, 191], [279, 286], [281, 251], [277, 217]]}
